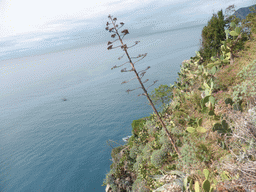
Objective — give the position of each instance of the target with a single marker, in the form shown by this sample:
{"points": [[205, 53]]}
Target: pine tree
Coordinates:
{"points": [[212, 35]]}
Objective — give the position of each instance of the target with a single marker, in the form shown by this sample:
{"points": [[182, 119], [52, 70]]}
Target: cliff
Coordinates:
{"points": [[212, 116]]}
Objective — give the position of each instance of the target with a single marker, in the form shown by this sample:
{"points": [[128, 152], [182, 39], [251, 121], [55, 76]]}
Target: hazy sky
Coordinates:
{"points": [[24, 22], [24, 16]]}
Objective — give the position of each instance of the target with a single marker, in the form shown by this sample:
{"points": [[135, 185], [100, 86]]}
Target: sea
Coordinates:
{"points": [[51, 145]]}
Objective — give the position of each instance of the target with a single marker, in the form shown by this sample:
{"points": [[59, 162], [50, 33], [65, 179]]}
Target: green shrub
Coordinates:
{"points": [[137, 125], [115, 153], [110, 180], [166, 148], [157, 157], [247, 87], [134, 152], [151, 127], [203, 153], [163, 138], [147, 151], [139, 160], [188, 152]]}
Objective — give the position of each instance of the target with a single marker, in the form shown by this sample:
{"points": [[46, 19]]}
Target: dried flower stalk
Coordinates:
{"points": [[124, 47]]}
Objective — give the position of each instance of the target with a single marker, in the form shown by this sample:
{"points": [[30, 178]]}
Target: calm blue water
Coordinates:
{"points": [[47, 144]]}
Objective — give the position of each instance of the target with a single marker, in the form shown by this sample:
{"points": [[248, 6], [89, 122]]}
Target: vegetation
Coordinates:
{"points": [[212, 35], [212, 120]]}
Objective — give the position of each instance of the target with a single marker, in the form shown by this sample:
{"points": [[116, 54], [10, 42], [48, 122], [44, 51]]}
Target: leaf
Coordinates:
{"points": [[212, 99], [206, 85], [225, 175], [233, 33], [201, 130], [238, 30], [191, 129], [213, 59], [185, 182], [227, 31], [206, 99], [125, 31], [206, 173], [204, 110], [229, 101], [232, 24], [110, 47], [213, 70], [197, 187], [113, 36], [226, 61], [224, 124], [216, 127], [206, 185], [211, 113], [199, 122]]}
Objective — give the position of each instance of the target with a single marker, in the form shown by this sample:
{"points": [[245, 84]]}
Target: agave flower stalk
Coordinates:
{"points": [[139, 74]]}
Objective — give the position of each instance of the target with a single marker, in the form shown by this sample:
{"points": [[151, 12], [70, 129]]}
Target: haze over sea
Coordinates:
{"points": [[49, 145]]}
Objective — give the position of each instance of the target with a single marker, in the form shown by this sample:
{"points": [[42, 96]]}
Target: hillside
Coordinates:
{"points": [[212, 116], [243, 12]]}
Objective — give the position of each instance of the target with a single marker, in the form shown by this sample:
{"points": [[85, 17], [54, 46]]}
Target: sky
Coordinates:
{"points": [[26, 23]]}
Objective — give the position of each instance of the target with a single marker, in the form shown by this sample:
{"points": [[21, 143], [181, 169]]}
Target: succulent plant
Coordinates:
{"points": [[198, 128], [221, 127]]}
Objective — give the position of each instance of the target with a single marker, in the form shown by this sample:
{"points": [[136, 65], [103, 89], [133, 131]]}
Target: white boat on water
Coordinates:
{"points": [[125, 139]]}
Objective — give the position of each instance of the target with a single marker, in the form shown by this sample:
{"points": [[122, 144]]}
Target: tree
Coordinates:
{"points": [[212, 35], [162, 94]]}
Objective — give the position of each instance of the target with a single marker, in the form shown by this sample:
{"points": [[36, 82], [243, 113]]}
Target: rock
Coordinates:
{"points": [[173, 181], [203, 94], [108, 188], [128, 179]]}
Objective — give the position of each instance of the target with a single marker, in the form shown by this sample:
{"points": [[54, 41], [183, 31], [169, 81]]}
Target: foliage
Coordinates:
{"points": [[115, 153], [147, 151], [134, 152], [212, 35], [137, 126], [247, 87], [207, 187], [151, 126], [188, 153], [162, 94], [140, 186], [139, 161], [157, 157], [199, 128], [222, 127], [110, 179]]}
